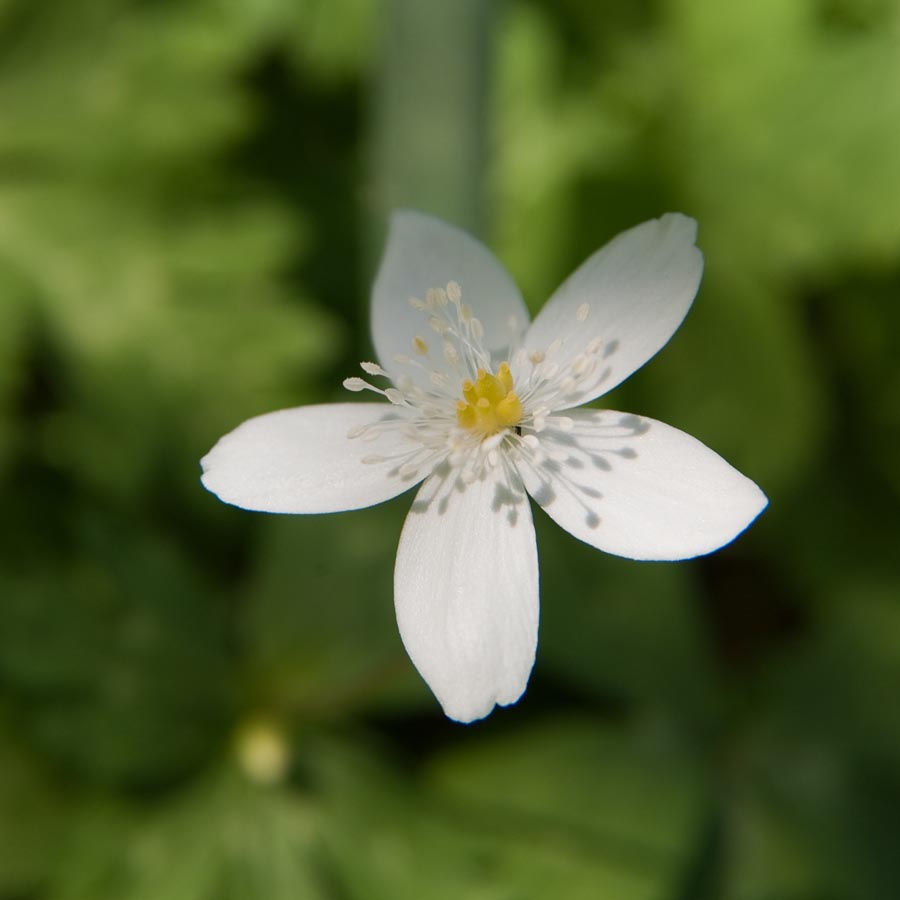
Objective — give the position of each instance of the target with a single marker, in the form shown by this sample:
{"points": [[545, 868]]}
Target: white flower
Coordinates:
{"points": [[481, 411]]}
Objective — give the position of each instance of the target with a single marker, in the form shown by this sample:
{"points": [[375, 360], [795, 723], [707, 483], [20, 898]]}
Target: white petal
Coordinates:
{"points": [[466, 591], [638, 488], [621, 306], [303, 461], [422, 253]]}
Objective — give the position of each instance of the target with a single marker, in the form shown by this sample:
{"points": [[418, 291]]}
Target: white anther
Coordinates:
{"points": [[554, 347], [537, 357], [438, 379], [356, 384], [563, 423], [583, 312], [531, 441], [417, 304], [436, 298], [595, 345], [477, 329], [402, 359], [374, 459], [581, 364], [395, 397], [454, 291], [450, 353], [371, 368], [438, 325], [408, 470], [465, 312], [491, 443], [550, 370]]}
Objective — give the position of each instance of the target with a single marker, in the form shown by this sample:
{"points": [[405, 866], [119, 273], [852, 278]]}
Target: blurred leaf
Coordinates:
{"points": [[100, 649], [333, 39], [622, 630], [13, 339], [320, 624], [550, 132], [30, 820], [223, 838], [791, 143], [110, 86], [739, 375], [631, 804]]}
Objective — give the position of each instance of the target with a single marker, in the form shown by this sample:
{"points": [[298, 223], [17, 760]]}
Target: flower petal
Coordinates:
{"points": [[303, 461], [638, 488], [423, 253], [466, 591], [619, 307]]}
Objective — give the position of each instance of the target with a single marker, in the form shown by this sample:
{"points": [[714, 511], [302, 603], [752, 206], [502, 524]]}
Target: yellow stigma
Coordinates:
{"points": [[489, 403]]}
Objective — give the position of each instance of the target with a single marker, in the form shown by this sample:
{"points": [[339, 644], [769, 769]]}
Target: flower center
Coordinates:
{"points": [[490, 404]]}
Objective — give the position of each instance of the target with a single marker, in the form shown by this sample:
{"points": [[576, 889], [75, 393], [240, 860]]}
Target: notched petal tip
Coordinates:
{"points": [[680, 224], [469, 714]]}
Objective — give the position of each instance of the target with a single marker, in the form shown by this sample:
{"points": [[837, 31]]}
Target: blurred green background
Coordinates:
{"points": [[199, 703]]}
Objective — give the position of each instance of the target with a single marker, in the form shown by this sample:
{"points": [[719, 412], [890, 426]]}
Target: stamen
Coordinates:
{"points": [[436, 298], [583, 312], [454, 291], [490, 405], [371, 368], [395, 397]]}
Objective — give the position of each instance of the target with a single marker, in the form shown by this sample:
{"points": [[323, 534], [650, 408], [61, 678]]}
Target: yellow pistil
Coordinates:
{"points": [[489, 403]]}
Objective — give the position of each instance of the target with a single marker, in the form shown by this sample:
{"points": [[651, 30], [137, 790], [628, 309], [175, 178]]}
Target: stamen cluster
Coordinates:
{"points": [[490, 405], [469, 432]]}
